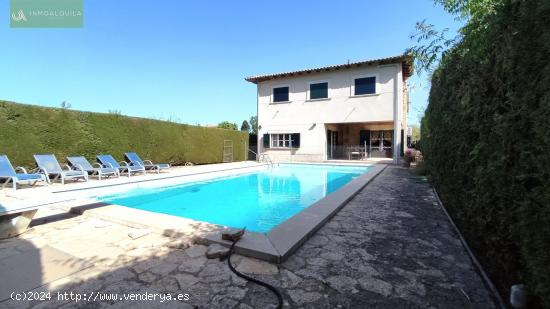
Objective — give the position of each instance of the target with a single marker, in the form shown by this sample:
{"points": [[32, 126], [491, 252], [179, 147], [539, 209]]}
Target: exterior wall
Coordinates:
{"points": [[308, 117], [312, 143]]}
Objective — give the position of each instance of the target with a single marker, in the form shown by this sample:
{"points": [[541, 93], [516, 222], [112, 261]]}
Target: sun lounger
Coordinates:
{"points": [[122, 167], [81, 163], [134, 159], [9, 174], [48, 164]]}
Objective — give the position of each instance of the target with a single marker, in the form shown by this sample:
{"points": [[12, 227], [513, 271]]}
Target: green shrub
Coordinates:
{"points": [[421, 169], [486, 143], [26, 130]]}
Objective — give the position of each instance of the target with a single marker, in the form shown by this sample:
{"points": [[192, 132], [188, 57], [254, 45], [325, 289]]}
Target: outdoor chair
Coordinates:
{"points": [[135, 160], [81, 163], [9, 174], [123, 167], [49, 166]]}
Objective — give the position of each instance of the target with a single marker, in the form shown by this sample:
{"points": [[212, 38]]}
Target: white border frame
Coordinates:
{"points": [[308, 98], [376, 85]]}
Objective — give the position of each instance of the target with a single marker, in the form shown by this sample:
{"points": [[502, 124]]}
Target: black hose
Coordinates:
{"points": [[266, 285]]}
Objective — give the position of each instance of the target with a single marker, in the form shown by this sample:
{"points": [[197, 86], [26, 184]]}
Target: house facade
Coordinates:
{"points": [[350, 111]]}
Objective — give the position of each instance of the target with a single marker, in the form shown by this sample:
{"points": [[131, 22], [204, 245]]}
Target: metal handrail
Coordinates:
{"points": [[263, 156], [257, 155], [266, 158]]}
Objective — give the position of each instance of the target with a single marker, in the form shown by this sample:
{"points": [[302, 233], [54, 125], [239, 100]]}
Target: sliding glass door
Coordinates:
{"points": [[332, 142], [381, 142]]}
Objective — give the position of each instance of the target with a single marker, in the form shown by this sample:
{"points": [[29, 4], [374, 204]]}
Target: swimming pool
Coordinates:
{"points": [[258, 200]]}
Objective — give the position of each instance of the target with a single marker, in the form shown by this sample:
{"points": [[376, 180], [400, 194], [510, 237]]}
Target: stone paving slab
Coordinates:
{"points": [[391, 246], [33, 268]]}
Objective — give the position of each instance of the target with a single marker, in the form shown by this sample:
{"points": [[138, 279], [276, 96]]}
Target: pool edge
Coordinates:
{"points": [[275, 246], [283, 240], [288, 236]]}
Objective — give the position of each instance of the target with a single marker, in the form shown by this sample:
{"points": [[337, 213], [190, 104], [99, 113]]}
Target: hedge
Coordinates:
{"points": [[26, 130], [486, 143]]}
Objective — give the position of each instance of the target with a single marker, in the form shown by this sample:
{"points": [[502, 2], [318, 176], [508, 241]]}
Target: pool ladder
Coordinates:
{"points": [[265, 158]]}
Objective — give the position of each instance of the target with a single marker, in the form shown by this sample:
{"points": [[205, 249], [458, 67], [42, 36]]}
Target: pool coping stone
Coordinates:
{"points": [[279, 243], [275, 246]]}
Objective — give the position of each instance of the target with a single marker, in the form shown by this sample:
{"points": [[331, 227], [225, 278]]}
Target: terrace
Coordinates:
{"points": [[390, 244], [359, 141]]}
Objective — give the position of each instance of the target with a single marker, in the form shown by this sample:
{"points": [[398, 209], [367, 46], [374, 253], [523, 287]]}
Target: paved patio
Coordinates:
{"points": [[390, 247]]}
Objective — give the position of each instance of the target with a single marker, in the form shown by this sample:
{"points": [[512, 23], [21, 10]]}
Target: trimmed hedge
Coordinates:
{"points": [[26, 130], [486, 143]]}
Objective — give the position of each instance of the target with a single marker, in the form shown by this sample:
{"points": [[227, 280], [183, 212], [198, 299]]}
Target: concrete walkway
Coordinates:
{"points": [[390, 247]]}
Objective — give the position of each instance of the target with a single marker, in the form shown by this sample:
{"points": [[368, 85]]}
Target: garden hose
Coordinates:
{"points": [[235, 238]]}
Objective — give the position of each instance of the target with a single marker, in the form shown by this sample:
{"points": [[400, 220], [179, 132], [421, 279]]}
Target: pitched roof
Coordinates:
{"points": [[406, 61]]}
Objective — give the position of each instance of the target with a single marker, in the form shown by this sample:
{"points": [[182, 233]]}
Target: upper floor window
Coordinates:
{"points": [[365, 85], [280, 94], [318, 90]]}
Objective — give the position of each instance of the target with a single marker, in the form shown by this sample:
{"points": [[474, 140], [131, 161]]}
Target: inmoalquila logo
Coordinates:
{"points": [[20, 16], [46, 13]]}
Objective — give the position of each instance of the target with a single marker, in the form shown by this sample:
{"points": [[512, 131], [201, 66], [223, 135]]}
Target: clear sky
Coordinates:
{"points": [[187, 60]]}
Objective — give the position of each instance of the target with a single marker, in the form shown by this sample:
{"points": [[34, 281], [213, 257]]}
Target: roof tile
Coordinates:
{"points": [[406, 60]]}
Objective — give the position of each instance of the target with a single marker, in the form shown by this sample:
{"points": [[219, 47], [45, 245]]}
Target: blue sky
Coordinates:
{"points": [[187, 60]]}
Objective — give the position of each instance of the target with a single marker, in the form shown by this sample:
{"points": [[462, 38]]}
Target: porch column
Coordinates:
{"points": [[397, 114]]}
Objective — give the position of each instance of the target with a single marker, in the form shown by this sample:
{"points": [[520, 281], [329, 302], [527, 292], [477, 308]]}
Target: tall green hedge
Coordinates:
{"points": [[26, 130], [486, 142]]}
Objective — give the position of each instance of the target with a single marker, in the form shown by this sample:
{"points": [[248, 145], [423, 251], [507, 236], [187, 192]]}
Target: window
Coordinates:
{"points": [[286, 140], [365, 85], [318, 91], [281, 140], [280, 94]]}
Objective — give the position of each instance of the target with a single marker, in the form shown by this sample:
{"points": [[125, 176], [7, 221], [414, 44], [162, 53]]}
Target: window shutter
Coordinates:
{"points": [[295, 140], [266, 141]]}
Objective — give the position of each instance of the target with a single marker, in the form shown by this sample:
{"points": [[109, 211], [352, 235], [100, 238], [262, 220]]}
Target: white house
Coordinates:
{"points": [[348, 111]]}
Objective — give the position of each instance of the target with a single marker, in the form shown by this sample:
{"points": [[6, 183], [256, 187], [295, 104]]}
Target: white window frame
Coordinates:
{"points": [[274, 143], [280, 86], [376, 85], [308, 97]]}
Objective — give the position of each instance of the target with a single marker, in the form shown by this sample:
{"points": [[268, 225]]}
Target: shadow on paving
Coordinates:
{"points": [[390, 247]]}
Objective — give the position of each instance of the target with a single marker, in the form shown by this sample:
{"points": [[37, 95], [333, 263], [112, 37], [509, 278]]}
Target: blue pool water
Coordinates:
{"points": [[258, 200]]}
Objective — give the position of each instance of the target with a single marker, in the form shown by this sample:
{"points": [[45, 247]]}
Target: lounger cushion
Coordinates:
{"points": [[161, 166], [6, 169], [80, 162], [106, 170], [108, 159], [134, 159], [73, 173], [48, 162], [29, 176], [136, 168]]}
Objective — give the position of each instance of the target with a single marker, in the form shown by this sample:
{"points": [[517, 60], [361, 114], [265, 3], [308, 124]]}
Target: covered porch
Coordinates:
{"points": [[360, 141]]}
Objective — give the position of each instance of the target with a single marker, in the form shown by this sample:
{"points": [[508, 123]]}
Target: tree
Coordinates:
{"points": [[254, 124], [415, 133], [433, 44], [245, 126], [487, 94], [65, 105], [227, 125]]}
